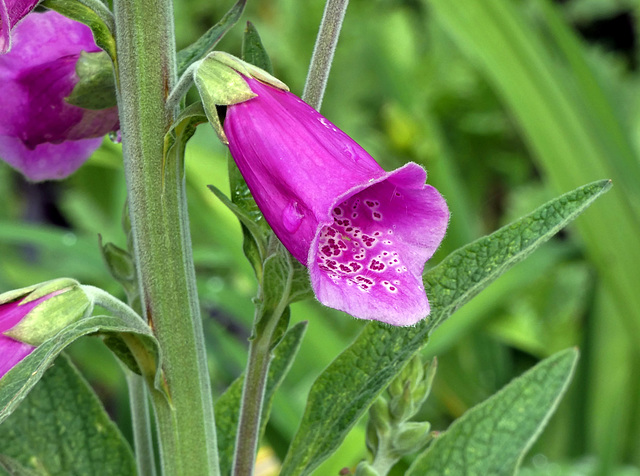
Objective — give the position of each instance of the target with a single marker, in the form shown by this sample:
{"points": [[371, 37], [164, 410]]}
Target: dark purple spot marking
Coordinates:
{"points": [[354, 245], [376, 265]]}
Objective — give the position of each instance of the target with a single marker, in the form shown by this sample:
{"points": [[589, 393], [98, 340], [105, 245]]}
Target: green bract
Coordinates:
{"points": [[96, 84], [218, 78]]}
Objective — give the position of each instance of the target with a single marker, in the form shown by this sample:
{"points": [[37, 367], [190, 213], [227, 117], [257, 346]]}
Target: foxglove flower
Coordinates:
{"points": [[41, 134], [11, 12], [363, 233], [29, 316]]}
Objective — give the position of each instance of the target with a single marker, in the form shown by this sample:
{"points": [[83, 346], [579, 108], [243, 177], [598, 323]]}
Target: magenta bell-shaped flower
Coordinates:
{"points": [[363, 233], [41, 134], [11, 12]]}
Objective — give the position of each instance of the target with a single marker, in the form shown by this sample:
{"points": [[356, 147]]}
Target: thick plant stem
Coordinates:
{"points": [[323, 51], [159, 226]]}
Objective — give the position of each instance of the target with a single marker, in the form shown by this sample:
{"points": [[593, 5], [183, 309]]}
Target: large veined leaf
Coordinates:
{"points": [[492, 438], [61, 429], [356, 377]]}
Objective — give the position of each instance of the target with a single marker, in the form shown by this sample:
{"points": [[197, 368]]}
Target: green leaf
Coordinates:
{"points": [[101, 24], [253, 50], [356, 377], [276, 284], [13, 467], [183, 129], [255, 239], [96, 88], [20, 380], [210, 39], [62, 429], [277, 289], [493, 437], [300, 282], [227, 408]]}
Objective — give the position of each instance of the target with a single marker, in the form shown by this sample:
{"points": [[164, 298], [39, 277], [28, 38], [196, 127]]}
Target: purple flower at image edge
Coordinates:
{"points": [[11, 313], [42, 135], [365, 234], [11, 12]]}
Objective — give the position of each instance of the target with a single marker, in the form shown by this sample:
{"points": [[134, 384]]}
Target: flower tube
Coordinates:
{"points": [[41, 134], [364, 234]]}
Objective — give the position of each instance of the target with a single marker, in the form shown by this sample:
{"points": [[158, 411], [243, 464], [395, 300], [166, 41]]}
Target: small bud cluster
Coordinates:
{"points": [[390, 434]]}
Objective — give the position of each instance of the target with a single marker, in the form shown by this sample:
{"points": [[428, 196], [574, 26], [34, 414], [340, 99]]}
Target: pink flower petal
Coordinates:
{"points": [[47, 161], [11, 353], [11, 12]]}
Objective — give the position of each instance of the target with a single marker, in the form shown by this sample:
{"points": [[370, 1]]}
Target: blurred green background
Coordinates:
{"points": [[507, 103]]}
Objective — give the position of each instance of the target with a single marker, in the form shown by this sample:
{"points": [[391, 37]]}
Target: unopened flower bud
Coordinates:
{"points": [[29, 316], [119, 262], [379, 416], [411, 437]]}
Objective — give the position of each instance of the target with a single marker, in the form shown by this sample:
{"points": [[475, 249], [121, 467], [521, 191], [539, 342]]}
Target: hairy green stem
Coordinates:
{"points": [[160, 231], [138, 399], [255, 381], [268, 314], [323, 51]]}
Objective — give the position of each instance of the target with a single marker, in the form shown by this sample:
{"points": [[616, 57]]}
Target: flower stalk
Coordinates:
{"points": [[138, 398], [253, 394], [160, 231], [325, 47]]}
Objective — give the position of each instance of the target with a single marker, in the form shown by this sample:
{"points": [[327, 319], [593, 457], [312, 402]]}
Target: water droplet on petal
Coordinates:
{"points": [[115, 136], [350, 153], [291, 217]]}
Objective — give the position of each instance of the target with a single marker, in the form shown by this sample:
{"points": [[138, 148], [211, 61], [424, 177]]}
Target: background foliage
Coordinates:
{"points": [[507, 104]]}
